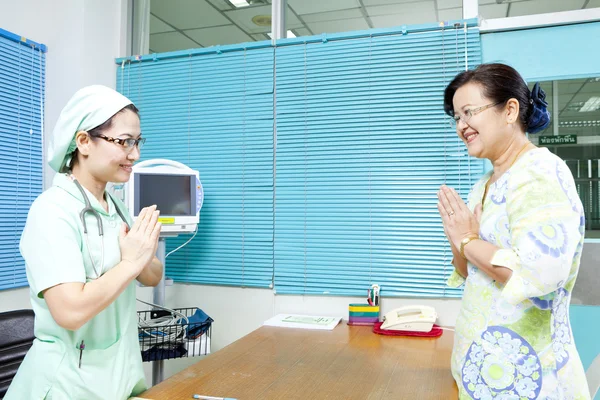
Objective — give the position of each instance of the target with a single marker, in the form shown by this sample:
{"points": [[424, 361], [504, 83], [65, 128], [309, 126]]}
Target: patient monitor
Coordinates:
{"points": [[173, 187], [410, 318]]}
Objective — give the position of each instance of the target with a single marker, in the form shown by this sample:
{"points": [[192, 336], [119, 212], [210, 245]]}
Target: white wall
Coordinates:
{"points": [[83, 38], [14, 299]]}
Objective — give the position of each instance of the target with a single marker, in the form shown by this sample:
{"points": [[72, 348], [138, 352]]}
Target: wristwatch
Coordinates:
{"points": [[464, 242]]}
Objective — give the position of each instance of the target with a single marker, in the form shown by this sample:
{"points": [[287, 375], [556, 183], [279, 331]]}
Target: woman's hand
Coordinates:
{"points": [[138, 245], [459, 222], [73, 304]]}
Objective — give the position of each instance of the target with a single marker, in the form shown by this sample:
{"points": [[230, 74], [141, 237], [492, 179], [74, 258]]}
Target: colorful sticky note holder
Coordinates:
{"points": [[363, 314]]}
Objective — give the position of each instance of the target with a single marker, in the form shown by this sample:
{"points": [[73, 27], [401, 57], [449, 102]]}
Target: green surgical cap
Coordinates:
{"points": [[88, 108]]}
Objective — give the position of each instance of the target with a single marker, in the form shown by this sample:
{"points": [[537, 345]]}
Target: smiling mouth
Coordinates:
{"points": [[471, 136]]}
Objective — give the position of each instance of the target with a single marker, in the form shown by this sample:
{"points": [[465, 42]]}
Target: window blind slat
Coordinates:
{"points": [[214, 112], [363, 145], [22, 83]]}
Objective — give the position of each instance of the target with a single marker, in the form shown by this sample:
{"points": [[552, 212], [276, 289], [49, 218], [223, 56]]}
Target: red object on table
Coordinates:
{"points": [[434, 332]]}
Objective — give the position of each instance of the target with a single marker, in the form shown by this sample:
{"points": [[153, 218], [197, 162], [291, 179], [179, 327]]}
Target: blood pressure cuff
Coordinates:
{"points": [[197, 324]]}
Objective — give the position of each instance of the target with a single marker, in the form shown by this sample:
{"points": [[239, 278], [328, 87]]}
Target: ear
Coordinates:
{"points": [[512, 111], [83, 141]]}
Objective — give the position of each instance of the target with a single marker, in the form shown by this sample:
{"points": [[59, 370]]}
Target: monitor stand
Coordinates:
{"points": [[158, 298]]}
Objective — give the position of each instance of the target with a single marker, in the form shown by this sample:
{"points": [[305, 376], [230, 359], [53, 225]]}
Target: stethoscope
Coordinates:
{"points": [[89, 209]]}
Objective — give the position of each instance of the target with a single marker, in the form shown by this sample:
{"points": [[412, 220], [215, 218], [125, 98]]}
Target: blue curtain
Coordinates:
{"points": [[22, 82], [214, 113], [363, 145], [346, 194]]}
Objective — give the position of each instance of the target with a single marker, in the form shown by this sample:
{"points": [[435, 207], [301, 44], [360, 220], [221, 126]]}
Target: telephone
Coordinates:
{"points": [[410, 318]]}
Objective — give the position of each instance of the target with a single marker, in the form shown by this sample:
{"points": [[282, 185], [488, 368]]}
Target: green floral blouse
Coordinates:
{"points": [[514, 341]]}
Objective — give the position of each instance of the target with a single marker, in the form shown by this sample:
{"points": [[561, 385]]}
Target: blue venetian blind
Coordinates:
{"points": [[363, 145], [22, 82], [214, 112]]}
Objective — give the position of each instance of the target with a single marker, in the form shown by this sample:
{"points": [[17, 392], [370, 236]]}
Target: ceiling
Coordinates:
{"points": [[185, 24]]}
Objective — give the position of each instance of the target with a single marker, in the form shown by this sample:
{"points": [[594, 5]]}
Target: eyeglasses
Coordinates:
{"points": [[466, 116], [128, 143]]}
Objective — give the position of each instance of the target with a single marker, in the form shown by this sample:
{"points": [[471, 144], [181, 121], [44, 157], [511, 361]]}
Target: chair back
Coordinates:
{"points": [[16, 337]]}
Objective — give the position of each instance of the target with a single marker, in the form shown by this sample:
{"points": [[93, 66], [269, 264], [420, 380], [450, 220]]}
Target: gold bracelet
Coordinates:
{"points": [[464, 242]]}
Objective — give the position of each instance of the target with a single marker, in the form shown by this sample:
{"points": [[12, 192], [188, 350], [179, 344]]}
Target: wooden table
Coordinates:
{"points": [[349, 362]]}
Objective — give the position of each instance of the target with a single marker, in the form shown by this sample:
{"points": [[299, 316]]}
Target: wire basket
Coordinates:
{"points": [[164, 335]]}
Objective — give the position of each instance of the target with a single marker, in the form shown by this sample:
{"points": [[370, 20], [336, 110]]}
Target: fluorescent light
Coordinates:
{"points": [[290, 34], [592, 104], [239, 3], [579, 124]]}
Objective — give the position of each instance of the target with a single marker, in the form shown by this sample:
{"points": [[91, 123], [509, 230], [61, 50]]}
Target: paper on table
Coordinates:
{"points": [[303, 321]]}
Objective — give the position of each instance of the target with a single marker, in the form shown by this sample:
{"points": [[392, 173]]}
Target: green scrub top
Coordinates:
{"points": [[55, 252]]}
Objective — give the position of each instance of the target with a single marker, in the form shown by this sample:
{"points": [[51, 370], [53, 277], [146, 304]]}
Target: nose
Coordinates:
{"points": [[461, 125], [134, 154]]}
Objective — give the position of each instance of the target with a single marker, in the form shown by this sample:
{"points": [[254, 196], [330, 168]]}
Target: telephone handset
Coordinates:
{"points": [[410, 318]]}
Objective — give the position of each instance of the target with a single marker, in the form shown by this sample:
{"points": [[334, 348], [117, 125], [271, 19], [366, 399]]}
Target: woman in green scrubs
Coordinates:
{"points": [[82, 285]]}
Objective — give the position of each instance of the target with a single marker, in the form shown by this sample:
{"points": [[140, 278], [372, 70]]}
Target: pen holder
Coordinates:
{"points": [[363, 314]]}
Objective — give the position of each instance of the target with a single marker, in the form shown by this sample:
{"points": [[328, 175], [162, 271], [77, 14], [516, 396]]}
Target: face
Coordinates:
{"points": [[487, 130], [110, 161]]}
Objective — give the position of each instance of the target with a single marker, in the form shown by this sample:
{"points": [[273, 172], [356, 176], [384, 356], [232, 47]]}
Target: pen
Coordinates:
{"points": [[373, 295], [199, 396]]}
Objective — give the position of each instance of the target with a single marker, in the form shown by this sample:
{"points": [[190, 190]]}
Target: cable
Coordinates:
{"points": [[167, 328], [162, 330], [189, 240]]}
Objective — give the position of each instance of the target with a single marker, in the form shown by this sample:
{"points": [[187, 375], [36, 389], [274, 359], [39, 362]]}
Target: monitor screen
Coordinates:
{"points": [[173, 194]]}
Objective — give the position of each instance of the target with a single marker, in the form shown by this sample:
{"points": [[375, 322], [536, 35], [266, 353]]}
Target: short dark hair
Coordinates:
{"points": [[500, 83]]}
